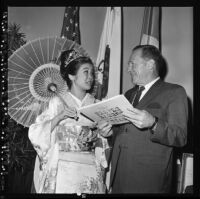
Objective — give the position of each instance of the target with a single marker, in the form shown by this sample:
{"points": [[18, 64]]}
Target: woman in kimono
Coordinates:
{"points": [[70, 148]]}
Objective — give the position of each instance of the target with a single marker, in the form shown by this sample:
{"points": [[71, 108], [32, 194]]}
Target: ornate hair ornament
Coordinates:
{"points": [[72, 56]]}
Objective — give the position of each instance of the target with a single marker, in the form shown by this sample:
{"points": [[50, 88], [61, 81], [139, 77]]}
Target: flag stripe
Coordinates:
{"points": [[150, 33]]}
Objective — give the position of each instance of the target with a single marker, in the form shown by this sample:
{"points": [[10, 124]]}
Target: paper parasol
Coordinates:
{"points": [[32, 69]]}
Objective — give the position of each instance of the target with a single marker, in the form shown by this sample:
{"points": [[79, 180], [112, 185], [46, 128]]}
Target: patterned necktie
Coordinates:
{"points": [[137, 95]]}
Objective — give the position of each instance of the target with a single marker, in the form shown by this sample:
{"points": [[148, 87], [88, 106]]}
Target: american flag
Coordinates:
{"points": [[70, 28]]}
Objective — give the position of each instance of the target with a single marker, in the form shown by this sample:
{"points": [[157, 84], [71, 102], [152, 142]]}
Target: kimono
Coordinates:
{"points": [[65, 162]]}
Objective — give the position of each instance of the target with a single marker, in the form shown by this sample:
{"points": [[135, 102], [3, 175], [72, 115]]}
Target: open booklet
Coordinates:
{"points": [[109, 110]]}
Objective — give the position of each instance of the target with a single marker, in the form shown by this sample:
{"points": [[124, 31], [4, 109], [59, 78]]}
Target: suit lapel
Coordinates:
{"points": [[151, 93], [130, 95]]}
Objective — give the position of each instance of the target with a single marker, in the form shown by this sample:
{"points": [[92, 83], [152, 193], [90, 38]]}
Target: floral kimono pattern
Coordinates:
{"points": [[71, 158]]}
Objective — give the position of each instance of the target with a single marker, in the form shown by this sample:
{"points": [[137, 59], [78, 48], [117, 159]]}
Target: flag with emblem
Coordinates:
{"points": [[109, 55], [70, 27], [151, 28], [109, 62]]}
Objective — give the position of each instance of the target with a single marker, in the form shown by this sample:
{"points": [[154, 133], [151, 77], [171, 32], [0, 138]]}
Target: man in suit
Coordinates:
{"points": [[143, 148]]}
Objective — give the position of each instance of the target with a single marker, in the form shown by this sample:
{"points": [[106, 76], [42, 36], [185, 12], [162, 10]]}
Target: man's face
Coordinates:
{"points": [[137, 67]]}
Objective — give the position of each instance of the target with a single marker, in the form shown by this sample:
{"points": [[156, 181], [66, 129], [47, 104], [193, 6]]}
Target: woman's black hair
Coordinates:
{"points": [[72, 67]]}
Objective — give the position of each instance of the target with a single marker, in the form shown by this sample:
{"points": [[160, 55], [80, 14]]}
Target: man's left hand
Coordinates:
{"points": [[140, 118]]}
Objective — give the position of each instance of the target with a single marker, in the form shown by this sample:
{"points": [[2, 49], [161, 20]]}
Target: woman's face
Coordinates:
{"points": [[84, 78]]}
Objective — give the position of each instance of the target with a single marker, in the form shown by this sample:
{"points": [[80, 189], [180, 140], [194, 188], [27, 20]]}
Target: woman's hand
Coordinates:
{"points": [[68, 112], [64, 114], [104, 129]]}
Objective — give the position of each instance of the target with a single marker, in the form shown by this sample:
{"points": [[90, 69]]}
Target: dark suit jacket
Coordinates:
{"points": [[142, 161]]}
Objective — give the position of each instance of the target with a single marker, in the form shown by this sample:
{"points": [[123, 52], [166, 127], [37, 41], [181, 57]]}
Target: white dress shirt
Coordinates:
{"points": [[147, 87]]}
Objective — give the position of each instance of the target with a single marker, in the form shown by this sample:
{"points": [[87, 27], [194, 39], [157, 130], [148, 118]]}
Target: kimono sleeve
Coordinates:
{"points": [[40, 133]]}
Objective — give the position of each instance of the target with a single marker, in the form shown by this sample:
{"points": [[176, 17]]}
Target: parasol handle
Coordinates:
{"points": [[53, 88]]}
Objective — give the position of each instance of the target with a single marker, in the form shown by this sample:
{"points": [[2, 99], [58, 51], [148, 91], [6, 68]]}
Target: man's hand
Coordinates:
{"points": [[140, 118]]}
